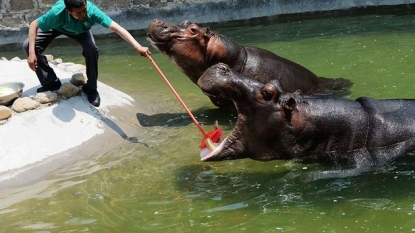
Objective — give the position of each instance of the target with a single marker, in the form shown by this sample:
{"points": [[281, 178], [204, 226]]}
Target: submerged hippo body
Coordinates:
{"points": [[194, 49], [272, 124]]}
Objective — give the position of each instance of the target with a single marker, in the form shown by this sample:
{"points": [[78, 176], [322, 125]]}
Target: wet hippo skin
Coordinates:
{"points": [[194, 49], [273, 124]]}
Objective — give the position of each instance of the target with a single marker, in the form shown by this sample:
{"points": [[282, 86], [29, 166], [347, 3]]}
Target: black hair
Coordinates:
{"points": [[70, 4]]}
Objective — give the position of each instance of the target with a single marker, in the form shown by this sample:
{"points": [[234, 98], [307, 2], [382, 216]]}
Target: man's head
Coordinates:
{"points": [[77, 8]]}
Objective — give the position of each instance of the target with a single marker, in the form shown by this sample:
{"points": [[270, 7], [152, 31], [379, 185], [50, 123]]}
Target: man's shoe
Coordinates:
{"points": [[53, 86], [92, 95], [94, 99]]}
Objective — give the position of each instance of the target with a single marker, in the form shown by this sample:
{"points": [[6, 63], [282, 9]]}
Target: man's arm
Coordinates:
{"points": [[122, 32], [32, 59]]}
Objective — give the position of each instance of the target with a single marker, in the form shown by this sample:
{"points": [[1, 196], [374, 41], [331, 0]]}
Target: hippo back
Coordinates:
{"points": [[392, 127], [265, 66]]}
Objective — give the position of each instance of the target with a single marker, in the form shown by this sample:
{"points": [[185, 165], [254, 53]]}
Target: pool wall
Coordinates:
{"points": [[15, 15]]}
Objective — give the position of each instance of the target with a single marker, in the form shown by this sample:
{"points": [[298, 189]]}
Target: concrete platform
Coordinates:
{"points": [[35, 142]]}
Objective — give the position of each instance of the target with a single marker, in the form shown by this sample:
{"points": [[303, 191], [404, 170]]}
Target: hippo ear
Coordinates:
{"points": [[208, 32]]}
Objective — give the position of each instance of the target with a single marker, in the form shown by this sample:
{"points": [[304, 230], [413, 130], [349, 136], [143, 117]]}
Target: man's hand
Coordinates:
{"points": [[143, 51], [32, 61]]}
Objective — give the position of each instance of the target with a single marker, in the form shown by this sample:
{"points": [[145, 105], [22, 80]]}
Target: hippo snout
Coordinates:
{"points": [[216, 77], [154, 23], [218, 70]]}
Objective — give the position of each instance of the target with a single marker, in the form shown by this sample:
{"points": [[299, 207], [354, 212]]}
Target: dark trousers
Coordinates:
{"points": [[46, 74]]}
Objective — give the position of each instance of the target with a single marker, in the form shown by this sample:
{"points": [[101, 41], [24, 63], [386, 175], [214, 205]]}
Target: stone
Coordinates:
{"points": [[24, 104], [49, 57], [5, 113], [21, 5], [79, 79], [64, 65], [57, 61], [69, 90], [71, 67], [46, 97]]}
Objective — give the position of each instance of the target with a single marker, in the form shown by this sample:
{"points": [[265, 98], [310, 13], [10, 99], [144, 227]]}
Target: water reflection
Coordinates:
{"points": [[205, 116]]}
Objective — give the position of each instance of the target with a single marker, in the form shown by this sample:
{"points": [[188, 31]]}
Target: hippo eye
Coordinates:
{"points": [[269, 92]]}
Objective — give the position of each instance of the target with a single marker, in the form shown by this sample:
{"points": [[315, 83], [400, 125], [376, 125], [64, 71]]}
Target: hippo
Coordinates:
{"points": [[194, 49], [277, 125]]}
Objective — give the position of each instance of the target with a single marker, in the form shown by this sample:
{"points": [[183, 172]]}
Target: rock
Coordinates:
{"points": [[71, 67], [64, 65], [5, 113], [57, 61], [49, 57], [46, 97], [16, 59], [3, 59], [24, 104], [69, 90], [79, 79]]}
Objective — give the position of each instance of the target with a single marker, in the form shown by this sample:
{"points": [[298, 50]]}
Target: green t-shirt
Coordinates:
{"points": [[59, 19]]}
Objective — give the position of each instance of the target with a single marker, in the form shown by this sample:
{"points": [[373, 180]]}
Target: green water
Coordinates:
{"points": [[159, 184]]}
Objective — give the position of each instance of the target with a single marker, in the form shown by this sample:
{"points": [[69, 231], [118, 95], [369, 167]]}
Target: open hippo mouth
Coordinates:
{"points": [[229, 148], [219, 81]]}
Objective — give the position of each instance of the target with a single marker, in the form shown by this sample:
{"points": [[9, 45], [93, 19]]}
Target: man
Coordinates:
{"points": [[72, 18]]}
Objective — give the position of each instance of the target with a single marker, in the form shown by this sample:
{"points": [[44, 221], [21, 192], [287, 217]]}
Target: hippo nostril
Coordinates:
{"points": [[223, 69], [222, 66]]}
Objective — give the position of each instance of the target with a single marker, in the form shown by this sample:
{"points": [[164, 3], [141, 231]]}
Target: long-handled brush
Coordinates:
{"points": [[210, 137]]}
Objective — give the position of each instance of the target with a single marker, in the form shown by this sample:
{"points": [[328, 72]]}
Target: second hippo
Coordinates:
{"points": [[273, 124], [194, 49]]}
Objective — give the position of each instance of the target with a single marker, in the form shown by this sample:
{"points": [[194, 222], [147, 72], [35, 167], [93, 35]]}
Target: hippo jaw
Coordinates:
{"points": [[232, 147], [163, 36], [184, 44], [220, 81], [214, 82]]}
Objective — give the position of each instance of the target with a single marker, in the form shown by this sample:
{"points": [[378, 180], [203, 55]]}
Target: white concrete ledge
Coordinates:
{"points": [[43, 139]]}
